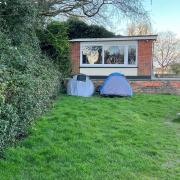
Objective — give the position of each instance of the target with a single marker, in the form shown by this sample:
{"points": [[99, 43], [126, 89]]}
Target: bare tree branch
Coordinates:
{"points": [[89, 8], [140, 28], [167, 50]]}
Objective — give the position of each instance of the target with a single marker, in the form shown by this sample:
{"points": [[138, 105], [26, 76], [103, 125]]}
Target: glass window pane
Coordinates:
{"points": [[114, 55], [92, 55], [132, 55]]}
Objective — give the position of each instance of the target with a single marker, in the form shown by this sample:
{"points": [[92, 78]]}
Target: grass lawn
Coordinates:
{"points": [[101, 138]]}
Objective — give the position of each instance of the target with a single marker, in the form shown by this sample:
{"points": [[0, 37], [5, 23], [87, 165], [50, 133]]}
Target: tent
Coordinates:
{"points": [[116, 84], [80, 85]]}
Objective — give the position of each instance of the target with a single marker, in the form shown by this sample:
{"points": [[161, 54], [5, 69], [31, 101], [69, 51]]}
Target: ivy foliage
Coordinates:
{"points": [[54, 43], [28, 79]]}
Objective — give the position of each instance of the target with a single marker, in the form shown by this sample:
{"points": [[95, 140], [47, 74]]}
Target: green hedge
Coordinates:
{"points": [[79, 29], [28, 83], [29, 80], [54, 43]]}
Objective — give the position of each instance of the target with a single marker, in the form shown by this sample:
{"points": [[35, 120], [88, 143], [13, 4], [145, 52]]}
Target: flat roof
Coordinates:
{"points": [[123, 38]]}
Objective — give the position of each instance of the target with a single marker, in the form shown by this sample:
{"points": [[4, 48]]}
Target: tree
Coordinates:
{"points": [[54, 43], [167, 50], [79, 29], [141, 28], [89, 8]]}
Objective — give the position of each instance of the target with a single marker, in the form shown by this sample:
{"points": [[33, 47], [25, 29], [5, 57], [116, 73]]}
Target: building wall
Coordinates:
{"points": [[157, 86], [145, 49], [151, 86], [107, 71], [144, 60], [75, 57]]}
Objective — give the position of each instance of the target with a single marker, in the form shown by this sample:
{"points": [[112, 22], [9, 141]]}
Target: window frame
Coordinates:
{"points": [[120, 46], [81, 55], [136, 54], [103, 48]]}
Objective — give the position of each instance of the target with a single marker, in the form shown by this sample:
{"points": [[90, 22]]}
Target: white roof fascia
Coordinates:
{"points": [[125, 38]]}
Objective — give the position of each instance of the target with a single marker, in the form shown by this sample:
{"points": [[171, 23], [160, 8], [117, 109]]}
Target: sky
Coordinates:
{"points": [[165, 16]]}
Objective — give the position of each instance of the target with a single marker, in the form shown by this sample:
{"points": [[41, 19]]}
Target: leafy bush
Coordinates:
{"points": [[54, 43], [79, 29], [28, 79], [175, 67]]}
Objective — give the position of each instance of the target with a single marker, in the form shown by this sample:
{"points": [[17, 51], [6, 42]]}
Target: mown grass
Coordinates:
{"points": [[101, 138]]}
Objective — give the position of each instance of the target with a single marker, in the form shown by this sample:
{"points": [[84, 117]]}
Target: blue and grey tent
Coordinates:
{"points": [[80, 85], [116, 84]]}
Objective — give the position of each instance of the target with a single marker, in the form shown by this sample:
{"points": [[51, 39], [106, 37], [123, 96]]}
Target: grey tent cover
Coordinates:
{"points": [[116, 84], [80, 85]]}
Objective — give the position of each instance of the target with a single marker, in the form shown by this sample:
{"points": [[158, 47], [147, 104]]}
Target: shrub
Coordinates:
{"points": [[175, 67], [28, 79], [28, 82], [54, 43], [79, 29]]}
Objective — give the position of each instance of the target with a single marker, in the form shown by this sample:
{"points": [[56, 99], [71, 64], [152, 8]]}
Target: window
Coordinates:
{"points": [[92, 55], [132, 55], [114, 55], [109, 54]]}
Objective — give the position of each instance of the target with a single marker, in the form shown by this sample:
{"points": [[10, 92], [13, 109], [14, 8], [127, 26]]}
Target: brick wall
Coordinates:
{"points": [[145, 57], [75, 57], [151, 86], [156, 86]]}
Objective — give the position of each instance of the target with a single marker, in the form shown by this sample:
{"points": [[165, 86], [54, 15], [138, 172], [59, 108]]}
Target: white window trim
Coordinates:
{"points": [[110, 65], [136, 46]]}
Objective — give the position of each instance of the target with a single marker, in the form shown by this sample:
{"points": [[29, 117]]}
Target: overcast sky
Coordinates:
{"points": [[165, 16]]}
